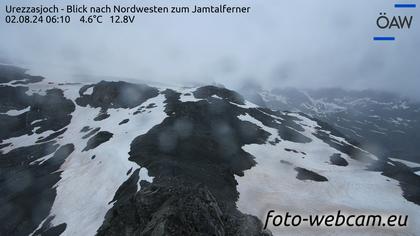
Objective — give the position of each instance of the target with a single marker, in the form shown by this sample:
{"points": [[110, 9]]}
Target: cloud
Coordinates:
{"points": [[312, 43]]}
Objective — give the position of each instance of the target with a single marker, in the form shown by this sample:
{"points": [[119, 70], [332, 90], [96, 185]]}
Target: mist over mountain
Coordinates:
{"points": [[384, 123]]}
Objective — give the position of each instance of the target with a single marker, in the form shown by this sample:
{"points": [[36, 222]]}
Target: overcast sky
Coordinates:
{"points": [[305, 43]]}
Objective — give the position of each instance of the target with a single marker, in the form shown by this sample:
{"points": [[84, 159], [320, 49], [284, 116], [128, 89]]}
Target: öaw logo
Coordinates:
{"points": [[396, 22]]}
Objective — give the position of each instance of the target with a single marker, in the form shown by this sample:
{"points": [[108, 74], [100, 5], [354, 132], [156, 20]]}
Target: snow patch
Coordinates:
{"points": [[17, 112]]}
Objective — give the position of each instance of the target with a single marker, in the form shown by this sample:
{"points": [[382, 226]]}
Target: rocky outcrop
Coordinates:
{"points": [[173, 206]]}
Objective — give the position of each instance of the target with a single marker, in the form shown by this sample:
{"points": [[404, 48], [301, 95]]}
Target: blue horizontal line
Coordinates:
{"points": [[399, 5], [384, 38]]}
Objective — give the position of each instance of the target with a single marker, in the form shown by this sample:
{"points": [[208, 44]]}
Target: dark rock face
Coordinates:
{"points": [[85, 129], [116, 95], [101, 116], [337, 160], [52, 109], [174, 206], [24, 184], [51, 112], [16, 74], [91, 132], [98, 139], [290, 150], [229, 95], [304, 174], [26, 181], [123, 121], [52, 136], [13, 98], [192, 155], [48, 230]]}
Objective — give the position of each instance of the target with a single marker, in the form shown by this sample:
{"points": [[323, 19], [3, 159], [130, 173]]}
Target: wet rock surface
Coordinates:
{"points": [[91, 132], [47, 229], [52, 136], [337, 160], [98, 139], [229, 95], [29, 173], [174, 206], [101, 116], [27, 191], [51, 111], [123, 121], [305, 174], [16, 75], [115, 95], [193, 155]]}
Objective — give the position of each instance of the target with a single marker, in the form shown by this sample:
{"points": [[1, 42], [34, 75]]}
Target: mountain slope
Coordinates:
{"points": [[385, 124], [115, 158]]}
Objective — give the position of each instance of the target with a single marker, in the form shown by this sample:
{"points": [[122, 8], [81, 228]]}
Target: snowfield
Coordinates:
{"points": [[271, 185]]}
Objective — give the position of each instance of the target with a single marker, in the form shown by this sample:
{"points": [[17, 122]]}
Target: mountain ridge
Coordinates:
{"points": [[175, 161]]}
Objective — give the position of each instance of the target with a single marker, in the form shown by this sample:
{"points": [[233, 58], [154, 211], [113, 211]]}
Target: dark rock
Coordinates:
{"points": [[97, 140], [92, 132], [304, 174], [48, 230], [151, 105], [276, 141], [193, 155], [116, 95], [336, 159], [123, 121], [85, 129], [172, 206], [13, 98], [128, 188], [285, 162], [52, 110], [208, 91], [101, 116], [4, 145], [52, 136], [27, 191], [16, 74], [290, 150]]}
